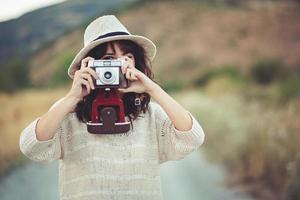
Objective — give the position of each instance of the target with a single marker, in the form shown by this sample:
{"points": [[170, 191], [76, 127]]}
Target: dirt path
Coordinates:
{"points": [[192, 178], [32, 181]]}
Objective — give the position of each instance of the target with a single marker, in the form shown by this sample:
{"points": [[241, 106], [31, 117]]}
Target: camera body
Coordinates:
{"points": [[108, 113], [110, 73]]}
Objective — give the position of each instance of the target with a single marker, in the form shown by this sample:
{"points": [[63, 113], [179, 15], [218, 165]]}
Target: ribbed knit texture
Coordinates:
{"points": [[112, 167]]}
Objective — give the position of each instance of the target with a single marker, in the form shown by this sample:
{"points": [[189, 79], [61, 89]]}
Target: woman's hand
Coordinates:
{"points": [[82, 81], [138, 81]]}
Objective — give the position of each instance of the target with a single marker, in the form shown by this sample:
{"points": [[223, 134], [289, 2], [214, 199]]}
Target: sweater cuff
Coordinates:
{"points": [[31, 139], [34, 138], [195, 134]]}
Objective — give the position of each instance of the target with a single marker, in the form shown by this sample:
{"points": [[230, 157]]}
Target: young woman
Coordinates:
{"points": [[112, 166]]}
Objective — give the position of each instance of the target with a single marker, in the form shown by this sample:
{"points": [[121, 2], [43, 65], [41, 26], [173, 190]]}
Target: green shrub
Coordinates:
{"points": [[230, 72], [60, 76], [289, 88], [171, 86], [222, 3], [14, 75], [264, 71]]}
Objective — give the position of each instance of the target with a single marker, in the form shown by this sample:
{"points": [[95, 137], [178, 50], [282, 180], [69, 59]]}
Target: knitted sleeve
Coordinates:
{"points": [[41, 151], [175, 144]]}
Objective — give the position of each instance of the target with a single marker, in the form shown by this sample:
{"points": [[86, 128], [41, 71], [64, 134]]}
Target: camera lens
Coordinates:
{"points": [[107, 75]]}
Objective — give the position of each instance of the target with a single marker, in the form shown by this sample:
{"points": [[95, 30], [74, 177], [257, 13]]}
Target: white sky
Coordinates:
{"points": [[15, 8]]}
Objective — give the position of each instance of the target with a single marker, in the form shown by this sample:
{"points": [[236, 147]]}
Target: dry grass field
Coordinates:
{"points": [[17, 111]]}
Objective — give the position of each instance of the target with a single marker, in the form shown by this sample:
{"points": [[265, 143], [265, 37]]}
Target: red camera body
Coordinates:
{"points": [[108, 115]]}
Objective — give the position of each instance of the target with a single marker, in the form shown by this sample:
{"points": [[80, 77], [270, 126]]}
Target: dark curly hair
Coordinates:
{"points": [[142, 63]]}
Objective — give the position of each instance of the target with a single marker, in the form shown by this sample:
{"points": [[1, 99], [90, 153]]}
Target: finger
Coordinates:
{"points": [[124, 67], [85, 61], [130, 61], [86, 84], [132, 75], [139, 76], [89, 78], [123, 90], [128, 74], [127, 58], [92, 72], [76, 74]]}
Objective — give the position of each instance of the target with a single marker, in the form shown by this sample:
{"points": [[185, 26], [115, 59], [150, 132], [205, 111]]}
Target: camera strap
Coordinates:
{"points": [[137, 100]]}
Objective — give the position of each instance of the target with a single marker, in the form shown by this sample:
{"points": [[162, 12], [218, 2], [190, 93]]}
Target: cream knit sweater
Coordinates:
{"points": [[113, 167]]}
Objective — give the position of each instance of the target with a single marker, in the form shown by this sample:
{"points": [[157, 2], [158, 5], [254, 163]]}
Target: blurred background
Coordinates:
{"points": [[235, 64]]}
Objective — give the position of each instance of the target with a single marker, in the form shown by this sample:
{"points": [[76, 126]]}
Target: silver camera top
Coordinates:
{"points": [[109, 72], [106, 63]]}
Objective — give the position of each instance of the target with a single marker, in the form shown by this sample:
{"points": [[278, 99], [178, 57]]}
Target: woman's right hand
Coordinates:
{"points": [[82, 81]]}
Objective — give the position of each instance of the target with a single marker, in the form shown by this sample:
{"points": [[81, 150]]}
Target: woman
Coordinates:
{"points": [[112, 166]]}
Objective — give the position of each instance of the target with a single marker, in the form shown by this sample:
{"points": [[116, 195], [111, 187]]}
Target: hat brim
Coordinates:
{"points": [[144, 42]]}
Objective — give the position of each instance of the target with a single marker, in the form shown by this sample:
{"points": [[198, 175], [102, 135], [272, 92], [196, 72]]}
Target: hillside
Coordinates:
{"points": [[196, 38], [22, 36]]}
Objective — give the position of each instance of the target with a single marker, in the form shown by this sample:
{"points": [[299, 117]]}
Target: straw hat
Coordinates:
{"points": [[104, 29]]}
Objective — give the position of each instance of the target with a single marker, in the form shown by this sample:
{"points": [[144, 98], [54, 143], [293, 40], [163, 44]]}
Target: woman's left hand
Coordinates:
{"points": [[138, 81]]}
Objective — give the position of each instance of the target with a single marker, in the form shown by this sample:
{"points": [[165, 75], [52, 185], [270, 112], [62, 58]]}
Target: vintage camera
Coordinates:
{"points": [[108, 113], [109, 72]]}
